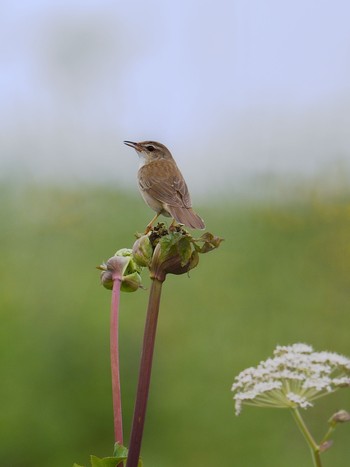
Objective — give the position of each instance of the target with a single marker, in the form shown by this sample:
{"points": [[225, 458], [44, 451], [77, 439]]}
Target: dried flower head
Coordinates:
{"points": [[295, 376]]}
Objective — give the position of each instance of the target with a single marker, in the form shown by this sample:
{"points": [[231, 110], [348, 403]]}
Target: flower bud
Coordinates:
{"points": [[171, 261], [118, 265], [342, 416], [121, 267], [142, 251], [123, 252], [131, 282], [178, 252], [132, 265], [107, 279]]}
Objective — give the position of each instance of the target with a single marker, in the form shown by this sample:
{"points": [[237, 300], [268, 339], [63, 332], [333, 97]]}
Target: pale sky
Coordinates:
{"points": [[234, 88]]}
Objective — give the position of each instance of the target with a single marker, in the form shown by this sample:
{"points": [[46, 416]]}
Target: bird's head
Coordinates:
{"points": [[150, 150]]}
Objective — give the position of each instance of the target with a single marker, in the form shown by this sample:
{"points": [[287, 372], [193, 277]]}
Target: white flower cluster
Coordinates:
{"points": [[294, 377]]}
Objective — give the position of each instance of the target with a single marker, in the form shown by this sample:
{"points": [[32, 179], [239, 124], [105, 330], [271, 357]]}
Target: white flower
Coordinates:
{"points": [[294, 377]]}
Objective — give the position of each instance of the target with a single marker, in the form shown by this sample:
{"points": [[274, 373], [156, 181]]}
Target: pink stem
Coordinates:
{"points": [[114, 347]]}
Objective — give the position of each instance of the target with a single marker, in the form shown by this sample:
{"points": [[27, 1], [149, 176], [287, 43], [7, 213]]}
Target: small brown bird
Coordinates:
{"points": [[162, 185]]}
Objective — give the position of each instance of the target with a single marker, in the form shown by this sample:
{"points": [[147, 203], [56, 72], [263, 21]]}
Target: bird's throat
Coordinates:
{"points": [[142, 160]]}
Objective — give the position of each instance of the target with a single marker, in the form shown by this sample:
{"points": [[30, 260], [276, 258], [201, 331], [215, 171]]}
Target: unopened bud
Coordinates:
{"points": [[132, 265], [171, 261], [177, 253], [113, 269], [123, 252], [131, 282], [123, 268], [342, 416], [107, 279], [142, 251]]}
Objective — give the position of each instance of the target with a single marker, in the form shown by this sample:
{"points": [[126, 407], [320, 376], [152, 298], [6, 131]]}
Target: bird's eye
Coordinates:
{"points": [[150, 148]]}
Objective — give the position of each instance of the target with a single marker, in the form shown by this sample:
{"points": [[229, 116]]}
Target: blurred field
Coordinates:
{"points": [[281, 276]]}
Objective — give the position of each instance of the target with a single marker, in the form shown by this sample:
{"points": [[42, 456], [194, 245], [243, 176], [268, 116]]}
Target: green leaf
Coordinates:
{"points": [[106, 461], [120, 450], [110, 461], [184, 250], [210, 242], [77, 465], [166, 243]]}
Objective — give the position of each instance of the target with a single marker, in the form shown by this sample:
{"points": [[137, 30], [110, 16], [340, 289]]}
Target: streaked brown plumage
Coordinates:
{"points": [[162, 185]]}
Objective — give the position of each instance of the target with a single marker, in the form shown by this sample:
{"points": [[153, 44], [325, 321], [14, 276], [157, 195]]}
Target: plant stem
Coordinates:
{"points": [[114, 349], [328, 434], [315, 452], [144, 373]]}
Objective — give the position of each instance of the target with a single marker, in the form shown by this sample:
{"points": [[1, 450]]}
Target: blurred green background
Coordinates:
{"points": [[281, 276]]}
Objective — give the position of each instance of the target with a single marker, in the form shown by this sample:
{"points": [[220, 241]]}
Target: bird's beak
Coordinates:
{"points": [[133, 145]]}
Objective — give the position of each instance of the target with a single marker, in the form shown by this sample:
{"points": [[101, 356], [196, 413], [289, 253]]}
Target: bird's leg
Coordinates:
{"points": [[172, 226], [149, 225]]}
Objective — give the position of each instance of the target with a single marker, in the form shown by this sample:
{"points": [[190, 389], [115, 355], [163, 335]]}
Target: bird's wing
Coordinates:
{"points": [[164, 181]]}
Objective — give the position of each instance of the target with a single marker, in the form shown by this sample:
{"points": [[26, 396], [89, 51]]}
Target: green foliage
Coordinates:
{"points": [[185, 245], [120, 454], [281, 276], [106, 461]]}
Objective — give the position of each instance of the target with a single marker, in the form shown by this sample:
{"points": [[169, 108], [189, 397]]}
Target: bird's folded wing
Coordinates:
{"points": [[165, 187]]}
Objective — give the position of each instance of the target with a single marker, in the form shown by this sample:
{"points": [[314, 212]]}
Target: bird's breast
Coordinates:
{"points": [[153, 203]]}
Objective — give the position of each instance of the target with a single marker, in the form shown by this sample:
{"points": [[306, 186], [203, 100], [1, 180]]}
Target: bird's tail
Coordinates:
{"points": [[187, 217]]}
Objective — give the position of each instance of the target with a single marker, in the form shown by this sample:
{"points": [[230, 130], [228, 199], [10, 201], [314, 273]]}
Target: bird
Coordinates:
{"points": [[162, 185]]}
